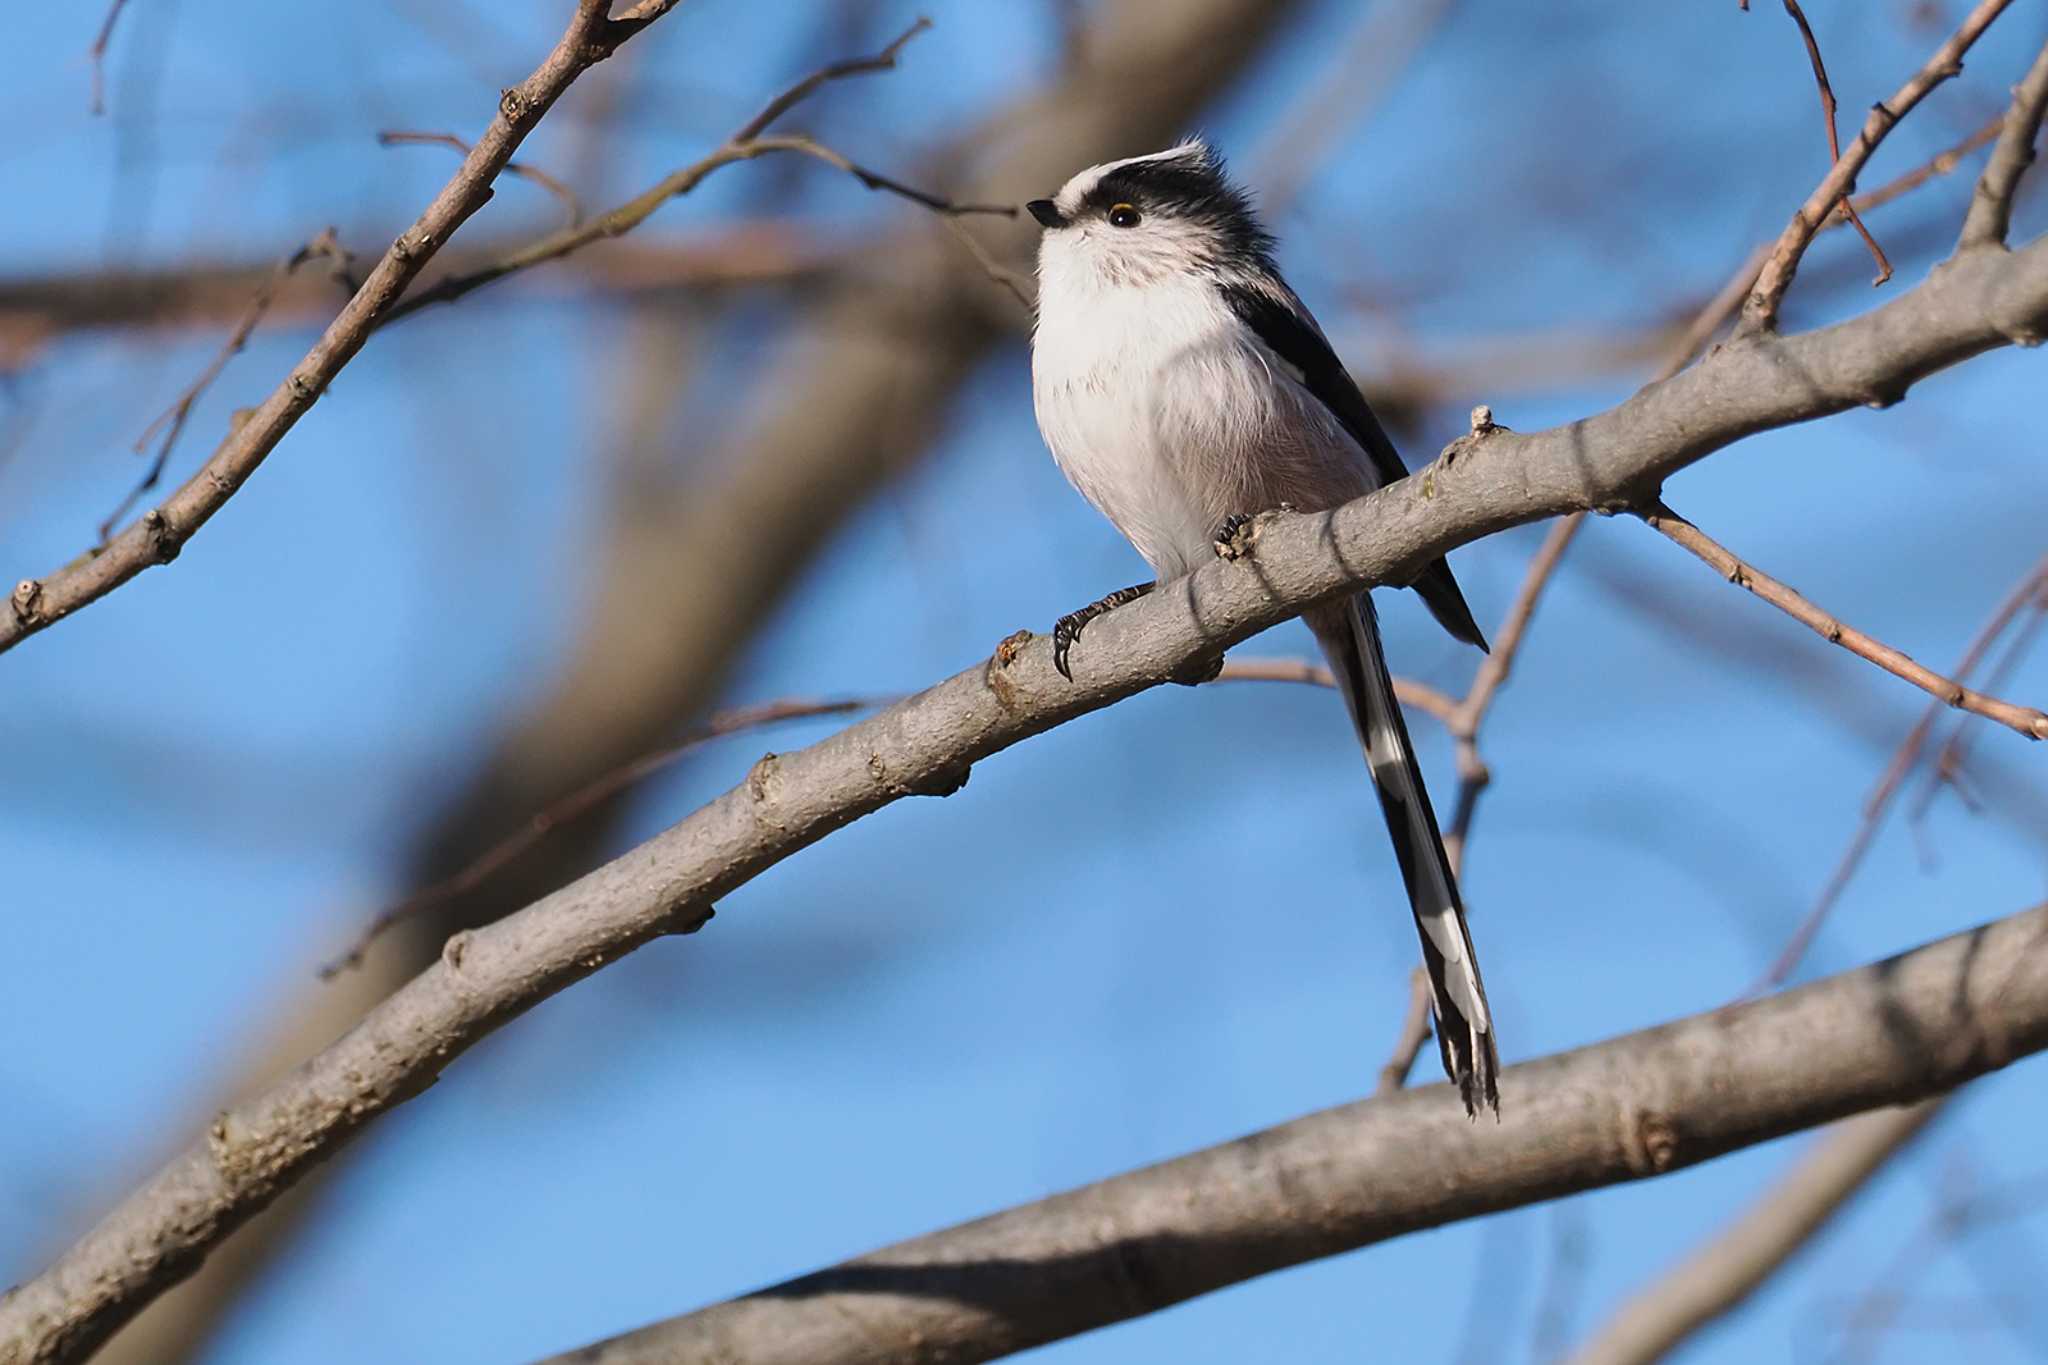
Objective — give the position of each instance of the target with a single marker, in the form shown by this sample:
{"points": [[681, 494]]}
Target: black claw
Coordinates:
{"points": [[1067, 629], [1233, 537]]}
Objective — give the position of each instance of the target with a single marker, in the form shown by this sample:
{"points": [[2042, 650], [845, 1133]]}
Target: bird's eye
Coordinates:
{"points": [[1123, 215]]}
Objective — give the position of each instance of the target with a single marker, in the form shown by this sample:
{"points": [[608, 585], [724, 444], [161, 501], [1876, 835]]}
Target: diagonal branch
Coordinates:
{"points": [[745, 144], [488, 976], [1638, 1106], [1761, 311], [1990, 215], [160, 533], [2025, 719]]}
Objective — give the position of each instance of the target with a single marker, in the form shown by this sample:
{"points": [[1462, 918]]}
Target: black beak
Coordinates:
{"points": [[1046, 212]]}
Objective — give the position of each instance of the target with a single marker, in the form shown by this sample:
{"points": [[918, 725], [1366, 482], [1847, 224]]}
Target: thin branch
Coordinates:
{"points": [[737, 721], [160, 533], [1940, 164], [1947, 767], [1878, 804], [1725, 1271], [171, 422], [487, 976], [1417, 696], [1368, 1172], [1990, 215], [745, 144], [534, 174], [2023, 719], [97, 55], [1847, 207], [579, 802], [1761, 311]]}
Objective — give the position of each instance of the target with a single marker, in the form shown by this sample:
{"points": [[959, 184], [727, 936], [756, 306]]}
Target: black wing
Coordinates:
{"points": [[1284, 325], [1289, 334]]}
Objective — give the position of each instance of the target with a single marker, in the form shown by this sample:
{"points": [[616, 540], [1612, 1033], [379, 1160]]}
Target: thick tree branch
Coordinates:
{"points": [[1637, 1106], [158, 535], [924, 745]]}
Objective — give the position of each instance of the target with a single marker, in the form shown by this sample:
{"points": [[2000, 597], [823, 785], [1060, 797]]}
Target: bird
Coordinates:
{"points": [[1183, 387]]}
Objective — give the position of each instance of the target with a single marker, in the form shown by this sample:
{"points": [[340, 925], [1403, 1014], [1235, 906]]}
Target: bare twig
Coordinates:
{"points": [[1417, 696], [172, 421], [98, 55], [1725, 1271], [160, 533], [1990, 212], [552, 184], [1940, 164], [487, 976], [1878, 804], [1775, 278], [1847, 207], [1947, 767], [2024, 719], [747, 143]]}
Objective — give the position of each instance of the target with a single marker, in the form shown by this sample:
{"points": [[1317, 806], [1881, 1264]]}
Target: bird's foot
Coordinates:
{"points": [[1235, 536], [1068, 628]]}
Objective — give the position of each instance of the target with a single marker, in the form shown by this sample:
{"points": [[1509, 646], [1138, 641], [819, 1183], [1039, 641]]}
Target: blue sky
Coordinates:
{"points": [[1157, 928]]}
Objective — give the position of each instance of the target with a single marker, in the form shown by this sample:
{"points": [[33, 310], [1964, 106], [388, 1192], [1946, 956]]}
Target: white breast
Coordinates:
{"points": [[1164, 410]]}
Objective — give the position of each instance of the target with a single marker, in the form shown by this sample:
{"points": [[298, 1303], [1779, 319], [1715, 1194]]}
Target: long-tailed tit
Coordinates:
{"points": [[1182, 385]]}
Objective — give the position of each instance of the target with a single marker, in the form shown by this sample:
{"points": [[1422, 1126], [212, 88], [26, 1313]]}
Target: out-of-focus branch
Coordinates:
{"points": [[1721, 1275], [159, 534], [744, 253], [1990, 212], [1879, 802], [1487, 481], [1634, 1107], [98, 55], [2026, 720], [1761, 309]]}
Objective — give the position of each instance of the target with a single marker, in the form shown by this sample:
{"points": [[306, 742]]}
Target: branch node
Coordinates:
{"points": [[688, 918], [452, 951], [27, 601], [943, 783], [164, 540], [514, 104], [762, 778], [1649, 1141]]}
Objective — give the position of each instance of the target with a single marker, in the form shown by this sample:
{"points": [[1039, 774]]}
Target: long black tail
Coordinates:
{"points": [[1350, 636]]}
